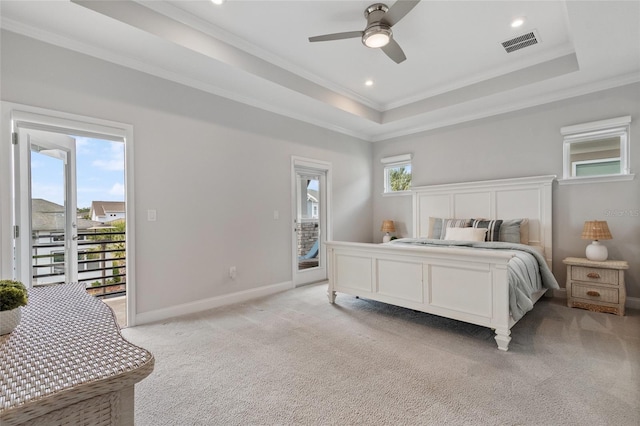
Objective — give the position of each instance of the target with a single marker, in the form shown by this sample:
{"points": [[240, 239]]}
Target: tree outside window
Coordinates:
{"points": [[400, 178], [397, 174]]}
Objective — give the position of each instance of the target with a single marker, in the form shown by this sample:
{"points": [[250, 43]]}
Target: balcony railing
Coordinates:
{"points": [[101, 261]]}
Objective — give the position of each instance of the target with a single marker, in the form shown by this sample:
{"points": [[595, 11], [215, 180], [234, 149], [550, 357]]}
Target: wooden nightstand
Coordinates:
{"points": [[596, 286]]}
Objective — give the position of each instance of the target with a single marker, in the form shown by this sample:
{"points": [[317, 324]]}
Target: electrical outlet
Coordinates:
{"points": [[232, 272]]}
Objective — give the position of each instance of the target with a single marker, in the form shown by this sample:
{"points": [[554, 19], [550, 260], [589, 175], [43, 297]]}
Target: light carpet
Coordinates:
{"points": [[294, 359]]}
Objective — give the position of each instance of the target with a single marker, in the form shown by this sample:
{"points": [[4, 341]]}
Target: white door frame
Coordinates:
{"points": [[27, 137], [326, 228], [79, 126]]}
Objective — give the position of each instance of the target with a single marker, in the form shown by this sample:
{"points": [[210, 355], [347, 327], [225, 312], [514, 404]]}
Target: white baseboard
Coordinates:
{"points": [[213, 302], [631, 302]]}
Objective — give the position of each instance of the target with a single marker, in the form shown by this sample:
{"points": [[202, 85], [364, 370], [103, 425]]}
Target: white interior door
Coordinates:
{"points": [[311, 222], [46, 245]]}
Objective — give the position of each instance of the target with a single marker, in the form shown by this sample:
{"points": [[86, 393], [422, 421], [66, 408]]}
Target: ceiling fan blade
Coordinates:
{"points": [[336, 36], [394, 51], [398, 11]]}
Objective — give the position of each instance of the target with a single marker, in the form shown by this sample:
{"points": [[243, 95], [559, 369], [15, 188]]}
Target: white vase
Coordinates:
{"points": [[597, 251], [9, 320]]}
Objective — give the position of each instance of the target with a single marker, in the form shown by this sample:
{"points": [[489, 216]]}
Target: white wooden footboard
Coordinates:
{"points": [[451, 282]]}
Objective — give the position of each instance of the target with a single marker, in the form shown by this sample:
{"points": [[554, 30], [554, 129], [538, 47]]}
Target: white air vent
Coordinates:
{"points": [[522, 41]]}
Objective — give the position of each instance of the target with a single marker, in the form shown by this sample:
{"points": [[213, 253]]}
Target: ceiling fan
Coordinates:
{"points": [[378, 34]]}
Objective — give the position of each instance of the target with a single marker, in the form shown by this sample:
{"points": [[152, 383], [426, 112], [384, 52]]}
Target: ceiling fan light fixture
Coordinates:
{"points": [[378, 35]]}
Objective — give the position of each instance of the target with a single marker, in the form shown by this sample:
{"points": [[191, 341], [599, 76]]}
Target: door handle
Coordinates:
{"points": [[74, 238]]}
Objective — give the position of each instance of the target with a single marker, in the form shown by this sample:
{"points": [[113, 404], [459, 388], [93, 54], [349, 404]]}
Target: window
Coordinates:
{"points": [[397, 174], [58, 260], [601, 166], [597, 151]]}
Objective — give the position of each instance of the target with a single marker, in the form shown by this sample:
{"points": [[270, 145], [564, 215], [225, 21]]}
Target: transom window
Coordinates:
{"points": [[397, 174], [597, 151]]}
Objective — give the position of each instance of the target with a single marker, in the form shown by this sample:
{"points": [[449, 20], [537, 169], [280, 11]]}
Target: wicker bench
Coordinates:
{"points": [[67, 363]]}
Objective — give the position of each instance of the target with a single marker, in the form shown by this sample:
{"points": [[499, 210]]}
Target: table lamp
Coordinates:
{"points": [[387, 226], [596, 230]]}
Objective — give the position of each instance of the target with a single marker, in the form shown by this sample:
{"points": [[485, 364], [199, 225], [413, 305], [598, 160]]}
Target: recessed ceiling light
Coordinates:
{"points": [[217, 2], [368, 83], [517, 22]]}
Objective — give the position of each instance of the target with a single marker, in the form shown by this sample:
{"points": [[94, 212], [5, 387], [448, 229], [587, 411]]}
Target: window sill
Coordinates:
{"points": [[396, 193], [596, 179]]}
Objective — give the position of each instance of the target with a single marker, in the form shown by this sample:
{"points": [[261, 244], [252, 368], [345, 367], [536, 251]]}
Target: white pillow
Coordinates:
{"points": [[466, 234]]}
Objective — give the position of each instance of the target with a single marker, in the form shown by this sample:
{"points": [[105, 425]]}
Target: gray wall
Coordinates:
{"points": [[187, 144], [214, 169], [528, 143]]}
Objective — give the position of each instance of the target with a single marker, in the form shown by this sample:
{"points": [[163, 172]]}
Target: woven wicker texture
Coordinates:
{"points": [[67, 348], [97, 411], [596, 230], [612, 264]]}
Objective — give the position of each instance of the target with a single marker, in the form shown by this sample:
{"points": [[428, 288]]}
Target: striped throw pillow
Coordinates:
{"points": [[493, 228], [450, 223]]}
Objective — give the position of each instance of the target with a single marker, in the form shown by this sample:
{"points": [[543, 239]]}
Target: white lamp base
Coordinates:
{"points": [[386, 238], [596, 251]]}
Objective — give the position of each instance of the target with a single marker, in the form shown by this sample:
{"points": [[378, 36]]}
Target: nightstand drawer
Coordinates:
{"points": [[595, 293], [594, 275]]}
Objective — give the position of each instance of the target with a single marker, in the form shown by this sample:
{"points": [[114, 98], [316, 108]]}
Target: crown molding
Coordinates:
{"points": [[184, 17], [136, 65], [376, 132], [585, 89]]}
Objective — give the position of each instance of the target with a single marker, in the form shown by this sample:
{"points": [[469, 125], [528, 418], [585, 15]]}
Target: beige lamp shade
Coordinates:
{"points": [[388, 226], [596, 230]]}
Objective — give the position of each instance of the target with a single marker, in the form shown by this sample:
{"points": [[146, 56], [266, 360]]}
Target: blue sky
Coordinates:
{"points": [[100, 173]]}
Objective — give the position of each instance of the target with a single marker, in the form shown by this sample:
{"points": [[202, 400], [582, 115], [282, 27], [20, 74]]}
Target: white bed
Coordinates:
{"points": [[464, 284]]}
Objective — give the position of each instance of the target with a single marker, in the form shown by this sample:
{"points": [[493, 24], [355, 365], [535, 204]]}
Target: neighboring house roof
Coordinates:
{"points": [[44, 206], [312, 195], [100, 208], [49, 216]]}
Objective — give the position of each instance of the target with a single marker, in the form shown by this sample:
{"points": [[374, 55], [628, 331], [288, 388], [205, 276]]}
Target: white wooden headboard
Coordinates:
{"points": [[526, 197]]}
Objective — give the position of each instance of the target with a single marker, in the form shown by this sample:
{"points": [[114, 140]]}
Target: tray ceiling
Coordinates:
{"points": [[258, 53]]}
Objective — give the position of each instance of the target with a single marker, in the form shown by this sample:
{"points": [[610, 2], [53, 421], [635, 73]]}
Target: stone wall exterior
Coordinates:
{"points": [[307, 236]]}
